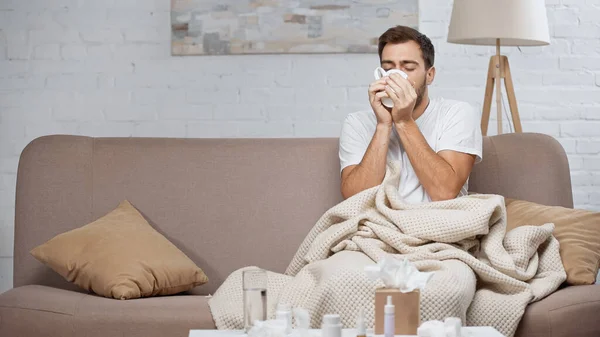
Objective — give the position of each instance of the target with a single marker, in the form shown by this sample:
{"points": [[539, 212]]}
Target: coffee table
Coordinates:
{"points": [[484, 331]]}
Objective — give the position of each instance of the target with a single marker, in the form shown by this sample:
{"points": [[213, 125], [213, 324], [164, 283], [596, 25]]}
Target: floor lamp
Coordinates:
{"points": [[495, 23]]}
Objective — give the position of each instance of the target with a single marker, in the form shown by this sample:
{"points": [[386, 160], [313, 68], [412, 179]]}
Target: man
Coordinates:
{"points": [[437, 140]]}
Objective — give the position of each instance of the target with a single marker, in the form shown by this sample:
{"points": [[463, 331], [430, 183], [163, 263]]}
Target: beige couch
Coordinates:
{"points": [[205, 195]]}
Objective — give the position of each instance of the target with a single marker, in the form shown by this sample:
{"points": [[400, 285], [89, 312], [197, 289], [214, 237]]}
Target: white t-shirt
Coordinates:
{"points": [[445, 124]]}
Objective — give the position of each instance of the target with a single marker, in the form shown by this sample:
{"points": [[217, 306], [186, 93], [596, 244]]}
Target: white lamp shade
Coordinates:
{"points": [[514, 22]]}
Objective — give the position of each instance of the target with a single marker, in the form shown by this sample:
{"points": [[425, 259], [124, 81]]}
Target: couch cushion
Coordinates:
{"points": [[120, 256], [524, 166], [577, 231], [46, 311], [568, 312]]}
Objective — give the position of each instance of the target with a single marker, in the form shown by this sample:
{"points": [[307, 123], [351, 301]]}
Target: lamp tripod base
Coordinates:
{"points": [[499, 69]]}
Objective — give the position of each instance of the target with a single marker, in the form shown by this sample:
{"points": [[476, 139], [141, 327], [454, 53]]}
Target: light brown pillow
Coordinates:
{"points": [[577, 231], [120, 256]]}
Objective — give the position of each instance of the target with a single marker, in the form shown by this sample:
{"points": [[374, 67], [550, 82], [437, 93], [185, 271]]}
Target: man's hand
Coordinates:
{"points": [[403, 95], [376, 92]]}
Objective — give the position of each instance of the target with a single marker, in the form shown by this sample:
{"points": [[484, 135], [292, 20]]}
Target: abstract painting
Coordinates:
{"points": [[225, 27]]}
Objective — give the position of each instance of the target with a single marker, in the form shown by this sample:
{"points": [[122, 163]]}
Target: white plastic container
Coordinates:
{"points": [[284, 312], [332, 326], [361, 327]]}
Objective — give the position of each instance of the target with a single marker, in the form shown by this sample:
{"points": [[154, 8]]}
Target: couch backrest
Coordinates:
{"points": [[226, 203]]}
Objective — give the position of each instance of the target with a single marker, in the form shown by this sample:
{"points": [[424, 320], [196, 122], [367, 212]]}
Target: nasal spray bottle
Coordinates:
{"points": [[389, 319]]}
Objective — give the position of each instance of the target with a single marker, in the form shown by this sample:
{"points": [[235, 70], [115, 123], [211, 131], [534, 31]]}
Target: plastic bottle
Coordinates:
{"points": [[389, 318], [332, 326], [284, 312], [361, 328]]}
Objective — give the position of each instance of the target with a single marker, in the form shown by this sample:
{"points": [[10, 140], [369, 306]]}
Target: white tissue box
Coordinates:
{"points": [[407, 310]]}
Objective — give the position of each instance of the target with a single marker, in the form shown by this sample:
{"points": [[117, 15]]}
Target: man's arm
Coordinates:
{"points": [[371, 170], [442, 175]]}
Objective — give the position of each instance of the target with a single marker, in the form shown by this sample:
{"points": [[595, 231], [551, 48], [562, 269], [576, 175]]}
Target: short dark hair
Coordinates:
{"points": [[401, 34]]}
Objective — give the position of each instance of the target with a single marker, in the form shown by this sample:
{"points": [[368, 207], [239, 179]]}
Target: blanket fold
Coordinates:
{"points": [[482, 274]]}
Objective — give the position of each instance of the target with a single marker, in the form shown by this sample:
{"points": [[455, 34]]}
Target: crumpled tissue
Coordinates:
{"points": [[278, 327], [450, 327], [302, 318], [398, 274], [268, 328]]}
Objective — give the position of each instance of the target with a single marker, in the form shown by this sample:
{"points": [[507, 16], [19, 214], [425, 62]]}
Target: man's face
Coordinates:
{"points": [[407, 57]]}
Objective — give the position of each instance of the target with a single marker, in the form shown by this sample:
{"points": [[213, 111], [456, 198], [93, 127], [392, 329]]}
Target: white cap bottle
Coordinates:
{"points": [[284, 312], [389, 318], [361, 327], [332, 326]]}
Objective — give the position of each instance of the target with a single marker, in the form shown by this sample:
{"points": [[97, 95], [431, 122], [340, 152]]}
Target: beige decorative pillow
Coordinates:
{"points": [[577, 231], [120, 256]]}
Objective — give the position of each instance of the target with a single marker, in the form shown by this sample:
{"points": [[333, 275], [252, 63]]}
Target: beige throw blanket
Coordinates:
{"points": [[482, 275]]}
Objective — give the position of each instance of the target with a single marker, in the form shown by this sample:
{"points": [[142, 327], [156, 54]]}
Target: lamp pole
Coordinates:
{"points": [[498, 89]]}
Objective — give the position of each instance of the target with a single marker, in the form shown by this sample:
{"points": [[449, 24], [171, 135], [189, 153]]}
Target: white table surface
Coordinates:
{"points": [[467, 331]]}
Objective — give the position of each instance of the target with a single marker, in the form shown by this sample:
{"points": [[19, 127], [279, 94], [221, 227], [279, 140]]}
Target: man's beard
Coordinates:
{"points": [[421, 92]]}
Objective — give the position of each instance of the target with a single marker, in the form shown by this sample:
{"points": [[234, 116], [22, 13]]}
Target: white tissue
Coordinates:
{"points": [[268, 328], [398, 274], [451, 327], [380, 73], [279, 327]]}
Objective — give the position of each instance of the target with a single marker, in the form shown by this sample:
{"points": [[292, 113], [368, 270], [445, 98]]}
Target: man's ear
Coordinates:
{"points": [[430, 75]]}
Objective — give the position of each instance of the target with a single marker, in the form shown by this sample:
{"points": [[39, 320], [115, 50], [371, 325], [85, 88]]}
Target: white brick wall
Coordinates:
{"points": [[103, 68]]}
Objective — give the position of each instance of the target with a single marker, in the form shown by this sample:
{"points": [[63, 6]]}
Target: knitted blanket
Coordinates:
{"points": [[482, 274]]}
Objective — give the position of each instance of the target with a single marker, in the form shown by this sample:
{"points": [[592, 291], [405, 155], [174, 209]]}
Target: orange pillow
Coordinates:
{"points": [[120, 256], [577, 231]]}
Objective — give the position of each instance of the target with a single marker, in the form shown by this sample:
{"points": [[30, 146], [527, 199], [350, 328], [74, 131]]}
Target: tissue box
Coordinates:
{"points": [[407, 307]]}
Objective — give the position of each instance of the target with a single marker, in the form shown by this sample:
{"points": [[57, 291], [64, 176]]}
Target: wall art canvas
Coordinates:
{"points": [[225, 27]]}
